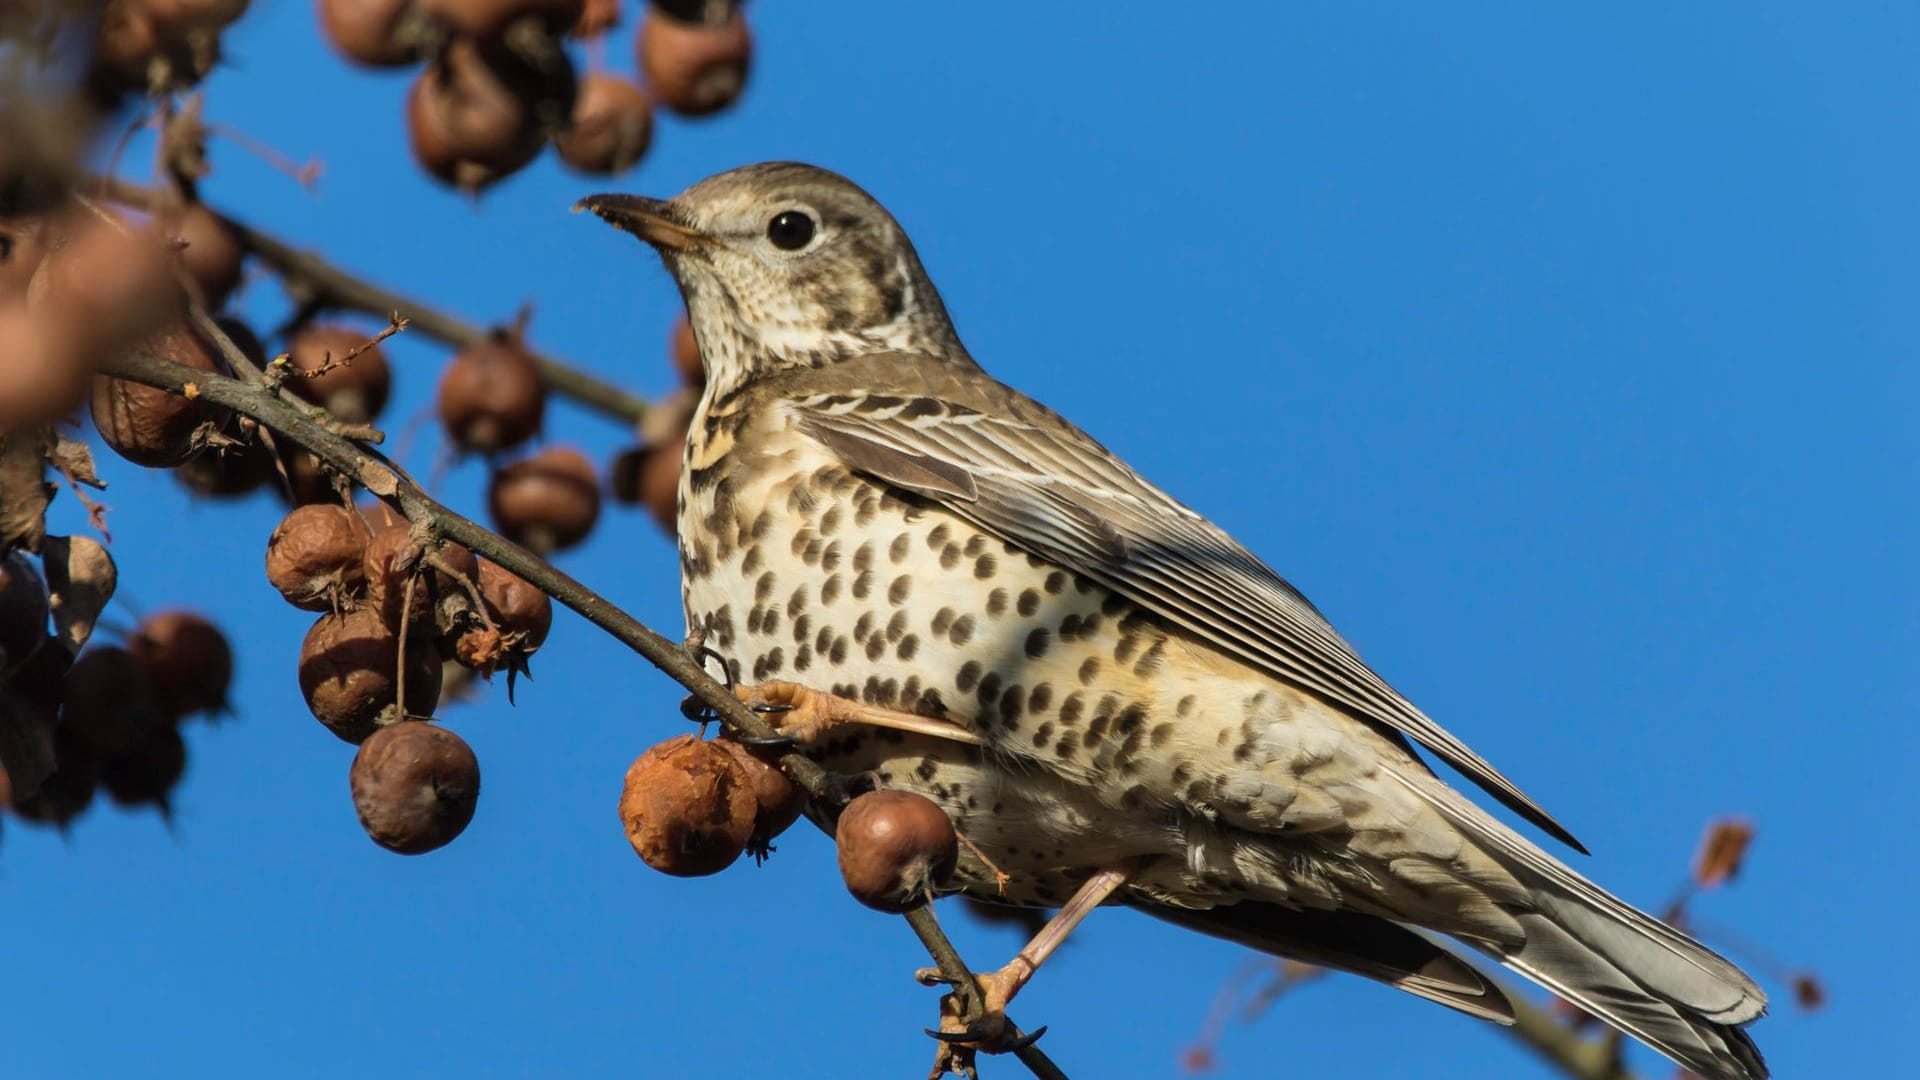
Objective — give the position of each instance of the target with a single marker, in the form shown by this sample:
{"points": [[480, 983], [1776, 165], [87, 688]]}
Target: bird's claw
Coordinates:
{"points": [[780, 743]]}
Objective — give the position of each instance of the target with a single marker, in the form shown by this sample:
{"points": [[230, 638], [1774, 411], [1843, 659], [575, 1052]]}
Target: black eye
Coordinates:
{"points": [[790, 230]]}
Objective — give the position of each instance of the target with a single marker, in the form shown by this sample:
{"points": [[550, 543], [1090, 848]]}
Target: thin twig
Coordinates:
{"points": [[385, 480]]}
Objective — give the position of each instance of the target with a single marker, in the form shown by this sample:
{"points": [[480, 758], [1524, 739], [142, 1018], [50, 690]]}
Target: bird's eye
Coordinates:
{"points": [[790, 230]]}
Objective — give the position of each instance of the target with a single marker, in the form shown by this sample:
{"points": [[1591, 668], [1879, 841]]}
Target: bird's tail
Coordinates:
{"points": [[1619, 964]]}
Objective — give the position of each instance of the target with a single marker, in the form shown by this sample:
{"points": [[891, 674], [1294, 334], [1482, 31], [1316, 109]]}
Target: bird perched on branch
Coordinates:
{"points": [[957, 592]]}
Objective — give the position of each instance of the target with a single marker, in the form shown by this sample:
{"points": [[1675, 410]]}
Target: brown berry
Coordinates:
{"points": [[414, 786], [378, 33], [316, 556], [491, 18], [347, 672], [227, 472], [516, 607], [390, 565], [688, 807], [147, 775], [144, 424], [896, 848], [47, 371], [479, 114], [685, 350], [67, 793], [611, 128], [209, 250], [695, 69], [491, 396], [110, 706], [23, 612], [548, 502], [779, 799], [188, 661], [354, 390]]}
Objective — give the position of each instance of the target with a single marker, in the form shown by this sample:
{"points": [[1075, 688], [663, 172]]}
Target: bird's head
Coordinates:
{"points": [[783, 264]]}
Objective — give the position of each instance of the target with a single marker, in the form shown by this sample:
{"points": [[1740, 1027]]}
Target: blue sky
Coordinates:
{"points": [[1562, 356]]}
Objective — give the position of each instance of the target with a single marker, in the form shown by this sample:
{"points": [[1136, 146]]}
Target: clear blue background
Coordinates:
{"points": [[1564, 357]]}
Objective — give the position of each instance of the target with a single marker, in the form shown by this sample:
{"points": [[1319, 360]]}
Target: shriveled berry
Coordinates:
{"points": [[144, 424], [521, 616], [415, 785], [66, 794], [896, 848], [611, 127], [147, 775], [778, 798], [548, 502], [209, 250], [187, 659], [110, 704], [695, 69], [23, 612], [480, 113], [688, 807], [316, 556], [354, 390], [348, 671], [391, 562], [491, 396]]}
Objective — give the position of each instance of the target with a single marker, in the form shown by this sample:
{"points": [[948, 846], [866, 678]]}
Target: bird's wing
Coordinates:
{"points": [[950, 433]]}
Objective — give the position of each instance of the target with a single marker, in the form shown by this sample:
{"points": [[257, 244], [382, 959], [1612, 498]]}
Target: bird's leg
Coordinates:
{"points": [[805, 714], [999, 987]]}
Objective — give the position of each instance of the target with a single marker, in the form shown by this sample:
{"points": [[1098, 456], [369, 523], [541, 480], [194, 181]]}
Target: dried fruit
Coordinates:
{"points": [[110, 706], [490, 18], [209, 250], [391, 561], [478, 114], [688, 807], [188, 661], [355, 390], [144, 424], [548, 502], [685, 350], [68, 792], [23, 612], [378, 33], [147, 775], [414, 786], [521, 615], [611, 127], [778, 798], [694, 68], [491, 396], [896, 848], [348, 671], [316, 555], [227, 472]]}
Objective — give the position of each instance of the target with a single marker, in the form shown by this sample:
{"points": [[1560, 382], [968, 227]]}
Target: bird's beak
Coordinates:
{"points": [[654, 220]]}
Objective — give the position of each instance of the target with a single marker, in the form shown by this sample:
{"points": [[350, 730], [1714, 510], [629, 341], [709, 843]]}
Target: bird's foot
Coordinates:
{"points": [[990, 1030]]}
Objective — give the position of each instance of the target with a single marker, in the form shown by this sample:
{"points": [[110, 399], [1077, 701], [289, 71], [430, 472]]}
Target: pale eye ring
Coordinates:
{"points": [[790, 230]]}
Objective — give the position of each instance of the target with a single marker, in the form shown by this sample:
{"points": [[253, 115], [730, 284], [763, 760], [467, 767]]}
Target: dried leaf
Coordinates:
{"points": [[1722, 852], [74, 459], [24, 491], [80, 580]]}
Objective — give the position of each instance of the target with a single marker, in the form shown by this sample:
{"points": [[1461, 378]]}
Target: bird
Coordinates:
{"points": [[959, 593]]}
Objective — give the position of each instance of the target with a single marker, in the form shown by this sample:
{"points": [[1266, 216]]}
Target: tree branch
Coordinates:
{"points": [[387, 481]]}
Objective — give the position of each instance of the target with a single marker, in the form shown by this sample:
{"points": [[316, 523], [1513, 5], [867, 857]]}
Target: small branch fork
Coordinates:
{"points": [[380, 477]]}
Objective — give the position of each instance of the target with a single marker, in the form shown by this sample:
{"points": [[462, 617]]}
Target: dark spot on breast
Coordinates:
{"points": [[1185, 706], [1037, 641], [863, 585], [1012, 705], [937, 538], [900, 589], [1042, 735], [830, 521], [876, 647], [927, 769], [896, 626], [1029, 602], [863, 556], [989, 691], [802, 626], [943, 620], [1041, 698], [803, 658], [1161, 733], [752, 561], [1071, 708], [909, 646], [897, 550], [968, 676], [996, 603], [962, 631], [984, 567], [838, 654], [1070, 627], [1124, 648], [1089, 670], [863, 626], [1056, 581], [830, 589], [830, 558], [950, 556]]}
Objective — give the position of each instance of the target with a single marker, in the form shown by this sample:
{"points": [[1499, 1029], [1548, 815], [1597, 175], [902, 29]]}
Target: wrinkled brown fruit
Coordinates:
{"points": [[390, 562], [895, 847], [147, 775], [188, 661], [23, 612], [694, 69], [491, 397], [67, 793], [209, 250], [521, 614], [227, 472], [316, 556], [688, 808], [347, 671], [477, 114], [414, 786], [611, 128], [548, 502], [377, 33], [110, 707], [144, 424], [356, 390], [778, 798]]}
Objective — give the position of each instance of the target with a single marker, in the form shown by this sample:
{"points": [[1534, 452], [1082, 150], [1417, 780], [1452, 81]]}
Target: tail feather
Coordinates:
{"points": [[1346, 941], [1618, 963]]}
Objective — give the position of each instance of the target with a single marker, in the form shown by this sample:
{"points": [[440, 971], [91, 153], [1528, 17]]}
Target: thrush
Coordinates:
{"points": [[961, 594]]}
